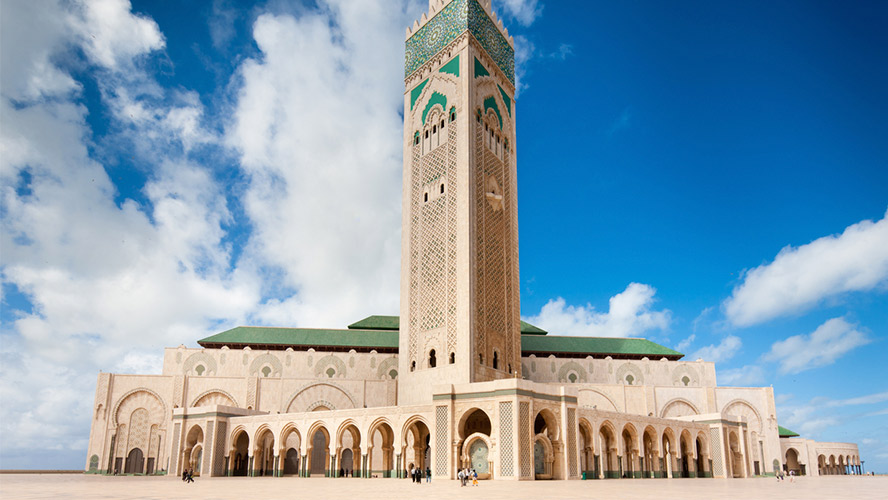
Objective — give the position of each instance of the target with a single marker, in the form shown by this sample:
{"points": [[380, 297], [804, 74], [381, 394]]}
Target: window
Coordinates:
{"points": [[442, 123], [495, 360], [432, 360], [434, 129], [330, 372], [452, 358], [425, 197], [199, 369], [427, 134], [481, 358], [442, 192], [629, 379], [685, 380], [412, 365], [266, 371]]}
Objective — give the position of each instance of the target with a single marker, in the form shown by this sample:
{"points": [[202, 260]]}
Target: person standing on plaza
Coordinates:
{"points": [[428, 474]]}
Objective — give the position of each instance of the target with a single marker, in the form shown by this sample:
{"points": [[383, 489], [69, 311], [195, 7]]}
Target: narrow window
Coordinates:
{"points": [[495, 360], [412, 365], [481, 358], [442, 123], [432, 360], [427, 134], [452, 358], [434, 129], [425, 197], [442, 192]]}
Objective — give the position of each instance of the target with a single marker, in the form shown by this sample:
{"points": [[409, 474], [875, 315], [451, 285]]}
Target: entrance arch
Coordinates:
{"points": [[735, 456], [134, 462], [630, 451], [477, 454], [543, 457], [609, 461], [416, 448], [587, 448], [291, 443], [792, 462], [380, 450], [650, 465], [319, 452], [192, 453], [703, 468], [349, 447], [239, 455], [263, 453], [687, 454], [669, 451], [546, 424]]}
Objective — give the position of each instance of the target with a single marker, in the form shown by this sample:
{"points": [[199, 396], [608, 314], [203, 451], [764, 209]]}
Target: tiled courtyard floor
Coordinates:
{"points": [[99, 487]]}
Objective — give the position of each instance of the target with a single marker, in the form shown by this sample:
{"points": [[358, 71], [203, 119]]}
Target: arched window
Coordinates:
{"points": [[495, 360], [412, 365], [442, 188], [452, 358], [432, 360], [481, 358]]}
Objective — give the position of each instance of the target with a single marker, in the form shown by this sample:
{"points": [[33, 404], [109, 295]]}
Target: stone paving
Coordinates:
{"points": [[99, 487]]}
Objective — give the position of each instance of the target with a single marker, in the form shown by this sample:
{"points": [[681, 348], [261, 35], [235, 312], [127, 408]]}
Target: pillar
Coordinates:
{"points": [[277, 470]]}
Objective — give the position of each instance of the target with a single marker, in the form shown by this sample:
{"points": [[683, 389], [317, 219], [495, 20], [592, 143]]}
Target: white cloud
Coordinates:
{"points": [[819, 414], [684, 344], [629, 315], [316, 127], [523, 11], [823, 346], [524, 52], [747, 376], [723, 351], [112, 35], [801, 277]]}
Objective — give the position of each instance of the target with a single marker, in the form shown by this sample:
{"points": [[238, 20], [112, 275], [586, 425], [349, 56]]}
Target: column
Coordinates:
{"points": [[398, 465], [277, 471]]}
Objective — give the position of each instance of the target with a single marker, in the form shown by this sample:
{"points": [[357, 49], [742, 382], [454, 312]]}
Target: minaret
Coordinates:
{"points": [[460, 314]]}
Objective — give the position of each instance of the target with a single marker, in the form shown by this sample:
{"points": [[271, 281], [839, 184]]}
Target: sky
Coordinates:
{"points": [[711, 176]]}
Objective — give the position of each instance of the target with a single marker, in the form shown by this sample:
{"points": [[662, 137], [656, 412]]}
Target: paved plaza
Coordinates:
{"points": [[99, 487]]}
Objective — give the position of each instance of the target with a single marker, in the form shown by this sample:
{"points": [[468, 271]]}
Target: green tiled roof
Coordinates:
{"points": [[617, 347], [785, 433], [394, 323], [376, 323], [368, 339], [528, 329], [304, 338]]}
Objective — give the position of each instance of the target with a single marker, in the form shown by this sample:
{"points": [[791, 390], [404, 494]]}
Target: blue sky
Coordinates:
{"points": [[712, 177]]}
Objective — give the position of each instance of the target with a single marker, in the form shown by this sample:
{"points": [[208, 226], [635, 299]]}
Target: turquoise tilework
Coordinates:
{"points": [[457, 17]]}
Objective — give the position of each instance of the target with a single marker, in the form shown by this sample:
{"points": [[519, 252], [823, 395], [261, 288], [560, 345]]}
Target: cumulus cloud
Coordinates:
{"points": [[799, 278], [823, 346], [629, 315], [819, 414], [723, 351], [523, 11], [322, 154]]}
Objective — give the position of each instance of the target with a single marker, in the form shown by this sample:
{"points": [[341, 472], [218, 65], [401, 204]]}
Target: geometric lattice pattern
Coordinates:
{"points": [[219, 452], [207, 451], [572, 442], [718, 467], [441, 449], [507, 466], [524, 439], [138, 431], [175, 461], [495, 270], [433, 248]]}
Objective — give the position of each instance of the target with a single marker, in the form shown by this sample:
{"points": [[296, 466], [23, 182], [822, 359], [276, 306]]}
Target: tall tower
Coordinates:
{"points": [[460, 313]]}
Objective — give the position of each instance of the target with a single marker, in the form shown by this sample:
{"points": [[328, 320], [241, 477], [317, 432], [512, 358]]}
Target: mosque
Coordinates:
{"points": [[457, 379]]}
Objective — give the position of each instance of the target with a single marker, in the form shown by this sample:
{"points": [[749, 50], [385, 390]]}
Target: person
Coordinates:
{"points": [[190, 477], [184, 475], [791, 475], [474, 477], [428, 474], [413, 474], [462, 478]]}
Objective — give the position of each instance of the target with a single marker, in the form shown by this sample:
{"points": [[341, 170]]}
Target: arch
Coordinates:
{"points": [[388, 364], [546, 421], [543, 457], [192, 451], [474, 420], [702, 450], [323, 365], [650, 452], [135, 462], [380, 448], [214, 397], [743, 408], [607, 434], [668, 452], [572, 368], [136, 396], [682, 371], [416, 443], [290, 437], [626, 370], [266, 359], [687, 453], [318, 449], [679, 407], [348, 445], [629, 447], [476, 454], [239, 452], [792, 461], [199, 359], [263, 451], [586, 446], [735, 455], [329, 394]]}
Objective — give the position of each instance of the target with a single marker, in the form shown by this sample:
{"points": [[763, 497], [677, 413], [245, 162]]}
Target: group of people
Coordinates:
{"points": [[465, 475], [781, 476], [188, 475], [346, 472], [416, 474]]}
